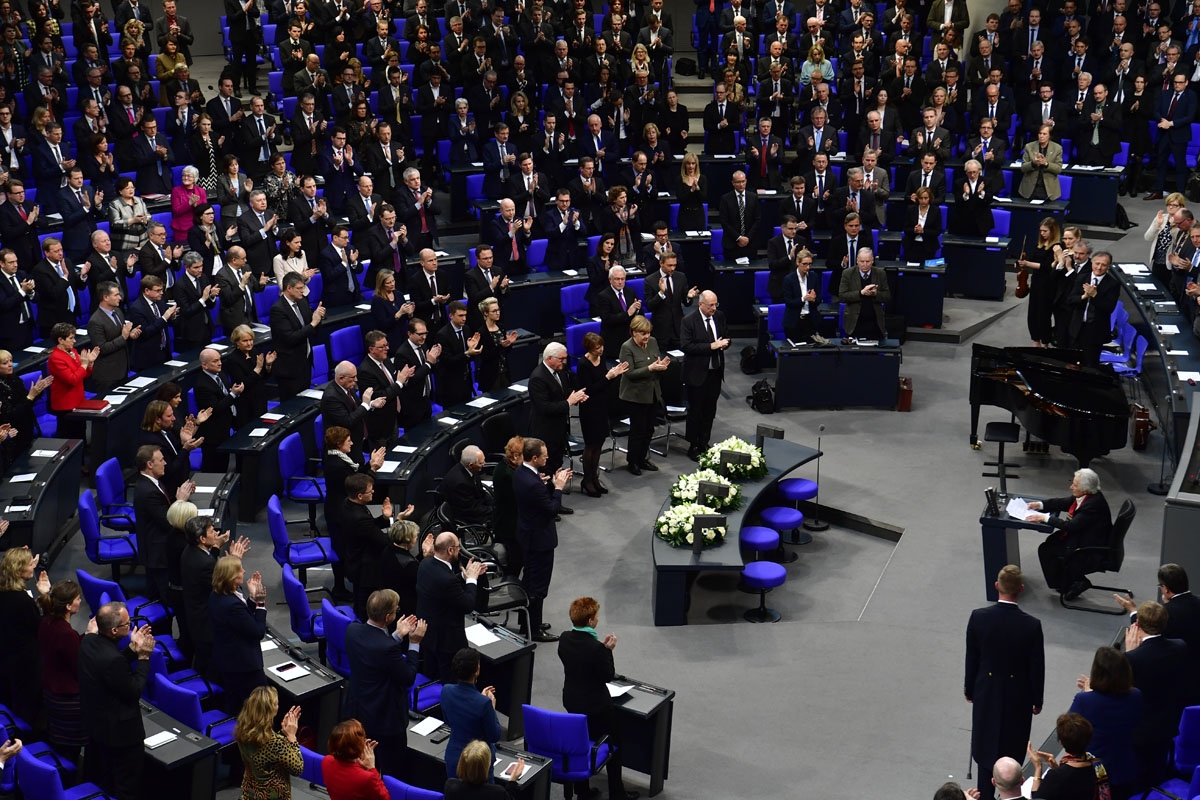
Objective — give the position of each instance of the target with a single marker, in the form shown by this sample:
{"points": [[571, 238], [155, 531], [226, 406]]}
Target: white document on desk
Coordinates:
{"points": [[1170, 330], [480, 636], [426, 726], [1189, 376], [618, 689], [1017, 507]]}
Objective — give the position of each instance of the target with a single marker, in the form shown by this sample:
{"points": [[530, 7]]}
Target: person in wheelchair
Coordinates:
{"points": [[466, 500]]}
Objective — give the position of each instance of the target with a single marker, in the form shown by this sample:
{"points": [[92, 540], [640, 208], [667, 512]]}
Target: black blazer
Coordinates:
{"points": [[780, 263], [208, 395], [422, 298], [549, 414], [193, 323], [149, 349], [587, 668], [453, 368], [252, 402], [235, 304], [381, 422], [381, 672], [179, 469], [290, 339], [443, 597], [414, 400], [338, 275], [837, 211], [338, 409], [399, 570], [614, 320], [150, 505], [1090, 526], [239, 627], [730, 222], [537, 505], [366, 544], [196, 568], [697, 355], [109, 691], [468, 500], [336, 472], [667, 312], [1160, 671]]}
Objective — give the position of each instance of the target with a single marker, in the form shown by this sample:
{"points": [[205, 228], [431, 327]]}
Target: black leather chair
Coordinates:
{"points": [[1101, 558]]}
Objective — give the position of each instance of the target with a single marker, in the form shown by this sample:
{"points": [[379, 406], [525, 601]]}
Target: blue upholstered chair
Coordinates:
{"points": [[39, 778], [563, 738], [101, 549], [336, 623], [313, 552], [298, 485], [184, 705], [761, 577]]}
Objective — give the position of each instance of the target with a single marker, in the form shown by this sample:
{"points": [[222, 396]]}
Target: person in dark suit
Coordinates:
{"points": [[1004, 676], [598, 144], [528, 189], [342, 406], [865, 291], [667, 293], [109, 695], [763, 156], [196, 565], [81, 206], [1183, 619], [800, 292], [340, 267], [56, 287], [459, 346], [1093, 301], [256, 232], [150, 504], [293, 323], [538, 502], [615, 307], [366, 538], [722, 120], [1160, 671], [151, 157], [383, 666], [154, 318], [462, 491], [509, 235], [470, 712], [418, 214], [1174, 113], [482, 281], [260, 139], [158, 259], [1088, 523], [309, 215], [588, 666], [385, 380], [341, 168], [385, 159], [362, 207], [781, 254], [922, 228], [740, 215], [852, 197], [195, 294], [239, 622], [109, 330], [445, 592], [243, 24], [704, 340], [929, 175], [551, 397], [1098, 133], [18, 225], [51, 161], [499, 163], [236, 285], [213, 391], [16, 304], [416, 394]]}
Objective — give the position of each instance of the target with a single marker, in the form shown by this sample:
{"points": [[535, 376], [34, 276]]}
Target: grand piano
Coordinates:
{"points": [[1081, 409]]}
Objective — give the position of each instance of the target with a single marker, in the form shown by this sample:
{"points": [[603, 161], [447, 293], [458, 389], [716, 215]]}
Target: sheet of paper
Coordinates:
{"points": [[115, 399], [743, 261], [204, 490], [1189, 376], [159, 739], [480, 636], [1017, 507], [616, 689], [647, 237], [37, 350], [288, 670], [220, 348], [441, 253], [268, 644], [1169, 329], [1169, 352], [1003, 199], [517, 387], [23, 478], [691, 233], [81, 331], [258, 327], [272, 416], [991, 239], [44, 453], [1036, 202], [481, 402], [16, 509], [403, 448], [176, 363], [315, 394], [140, 382], [426, 726], [389, 466], [1145, 287], [448, 420], [675, 353], [258, 432], [1027, 788], [571, 272]]}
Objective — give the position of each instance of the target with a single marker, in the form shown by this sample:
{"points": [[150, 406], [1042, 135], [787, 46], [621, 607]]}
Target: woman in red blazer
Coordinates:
{"points": [[69, 368], [349, 769]]}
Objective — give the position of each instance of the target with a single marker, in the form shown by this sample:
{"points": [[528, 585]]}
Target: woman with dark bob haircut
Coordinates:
{"points": [[349, 769], [1080, 775], [1109, 701]]}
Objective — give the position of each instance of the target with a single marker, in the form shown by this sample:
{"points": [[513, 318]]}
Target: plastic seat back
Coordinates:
{"points": [[575, 334], [399, 790], [37, 778], [95, 588], [561, 737], [178, 702], [298, 609], [346, 345], [89, 526], [336, 624], [278, 529], [571, 300], [760, 287], [110, 484], [312, 766], [291, 457]]}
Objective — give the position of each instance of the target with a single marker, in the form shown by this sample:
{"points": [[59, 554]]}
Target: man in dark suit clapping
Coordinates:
{"points": [[342, 405], [366, 537], [212, 391], [1160, 672], [416, 394], [459, 347], [538, 502], [383, 666], [293, 324], [704, 340], [551, 397], [445, 593], [615, 307]]}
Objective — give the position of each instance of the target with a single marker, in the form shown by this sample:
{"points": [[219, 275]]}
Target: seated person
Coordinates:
{"points": [[1088, 523], [463, 492]]}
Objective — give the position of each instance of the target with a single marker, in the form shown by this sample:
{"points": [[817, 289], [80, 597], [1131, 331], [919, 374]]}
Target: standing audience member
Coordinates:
{"points": [[1183, 617], [640, 389], [587, 668], [445, 592], [1109, 701], [270, 756], [1079, 775], [594, 378], [150, 504], [20, 666], [551, 398], [109, 694], [59, 644], [704, 340], [1004, 677], [340, 462], [366, 540], [196, 567], [538, 503], [383, 667], [504, 518], [1160, 671], [237, 610], [469, 711], [69, 368]]}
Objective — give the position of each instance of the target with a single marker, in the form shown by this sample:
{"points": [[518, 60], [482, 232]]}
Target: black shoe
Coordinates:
{"points": [[603, 489], [591, 491], [649, 465], [565, 510], [634, 469], [629, 794], [694, 454], [1077, 588], [545, 636], [545, 626]]}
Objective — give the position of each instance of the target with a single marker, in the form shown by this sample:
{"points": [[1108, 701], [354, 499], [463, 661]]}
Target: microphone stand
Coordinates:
{"points": [[815, 523]]}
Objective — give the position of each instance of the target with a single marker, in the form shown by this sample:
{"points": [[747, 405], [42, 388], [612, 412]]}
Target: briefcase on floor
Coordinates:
{"points": [[904, 401]]}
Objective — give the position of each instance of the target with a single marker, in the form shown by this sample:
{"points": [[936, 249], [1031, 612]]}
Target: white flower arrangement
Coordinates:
{"points": [[711, 459], [675, 526], [686, 489]]}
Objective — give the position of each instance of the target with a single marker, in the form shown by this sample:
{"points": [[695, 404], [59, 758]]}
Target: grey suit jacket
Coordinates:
{"points": [[639, 384], [1054, 165], [112, 366], [849, 293]]}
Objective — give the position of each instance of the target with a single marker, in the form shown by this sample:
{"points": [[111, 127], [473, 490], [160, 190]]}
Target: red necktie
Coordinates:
{"points": [[763, 167], [22, 212], [424, 223], [516, 253]]}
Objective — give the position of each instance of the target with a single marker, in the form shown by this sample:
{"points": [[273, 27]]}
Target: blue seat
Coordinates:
{"points": [[14, 727], [1001, 221], [112, 550], [775, 314], [757, 539], [298, 486], [1126, 334], [115, 511], [41, 779], [717, 245], [399, 790], [313, 552], [761, 577], [336, 624], [320, 370], [1064, 183], [575, 334], [264, 300], [142, 611], [795, 490], [184, 678], [535, 256], [316, 288], [1187, 743], [1139, 353], [593, 243], [572, 300], [563, 738], [308, 625], [783, 519], [346, 344], [184, 705], [45, 753], [424, 694], [760, 287]]}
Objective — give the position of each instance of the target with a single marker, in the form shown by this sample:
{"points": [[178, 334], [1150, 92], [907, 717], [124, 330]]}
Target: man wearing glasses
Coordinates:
{"points": [[1173, 113], [108, 693], [415, 395], [704, 339]]}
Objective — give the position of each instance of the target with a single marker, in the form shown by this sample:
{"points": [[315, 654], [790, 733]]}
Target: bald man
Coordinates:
{"points": [[214, 390], [445, 593], [509, 235], [343, 406]]}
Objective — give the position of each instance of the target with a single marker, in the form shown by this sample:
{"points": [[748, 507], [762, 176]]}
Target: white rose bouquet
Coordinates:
{"points": [[711, 459], [675, 526], [686, 489]]}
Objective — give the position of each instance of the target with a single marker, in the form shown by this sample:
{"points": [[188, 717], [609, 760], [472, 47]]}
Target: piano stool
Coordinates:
{"points": [[1003, 433], [762, 576]]}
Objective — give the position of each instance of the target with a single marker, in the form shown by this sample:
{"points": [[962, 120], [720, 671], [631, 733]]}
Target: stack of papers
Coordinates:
{"points": [[403, 448], [480, 636], [1017, 507], [115, 399], [481, 402], [426, 726], [1189, 376]]}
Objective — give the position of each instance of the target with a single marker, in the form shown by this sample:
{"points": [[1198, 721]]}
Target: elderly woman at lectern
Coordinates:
{"points": [[1081, 520]]}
